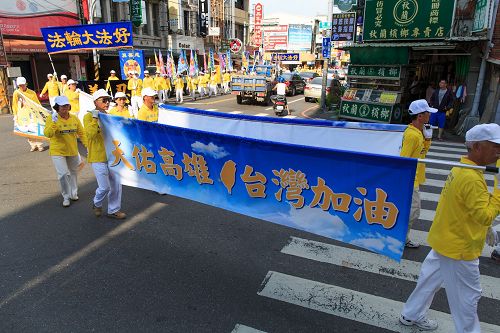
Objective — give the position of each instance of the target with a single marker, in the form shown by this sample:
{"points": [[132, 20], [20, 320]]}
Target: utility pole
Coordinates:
{"points": [[92, 10], [325, 63]]}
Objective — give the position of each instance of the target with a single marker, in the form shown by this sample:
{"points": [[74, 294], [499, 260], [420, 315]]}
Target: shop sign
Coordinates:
{"points": [[3, 55], [378, 72], [257, 23], [275, 37], [365, 111], [285, 57], [214, 31], [481, 16], [407, 19], [345, 5], [344, 27], [235, 45], [325, 25], [203, 8], [136, 12]]}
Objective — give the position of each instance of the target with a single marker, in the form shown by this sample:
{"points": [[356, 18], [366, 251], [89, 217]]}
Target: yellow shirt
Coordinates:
{"points": [[123, 113], [193, 83], [74, 100], [160, 83], [147, 114], [111, 78], [226, 77], [203, 81], [135, 86], [52, 86], [62, 87], [465, 211], [95, 141], [17, 99], [63, 134], [415, 146], [168, 83], [148, 82], [179, 83]]}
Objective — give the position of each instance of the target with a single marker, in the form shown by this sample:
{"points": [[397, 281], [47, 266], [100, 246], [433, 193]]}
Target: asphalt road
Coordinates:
{"points": [[175, 265]]}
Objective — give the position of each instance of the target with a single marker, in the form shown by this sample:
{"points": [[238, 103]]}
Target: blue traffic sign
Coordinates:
{"points": [[326, 47]]}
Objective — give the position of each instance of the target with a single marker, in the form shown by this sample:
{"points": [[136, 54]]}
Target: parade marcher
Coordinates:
{"points": [[135, 87], [63, 129], [120, 109], [161, 86], [52, 87], [193, 86], [213, 84], [179, 88], [112, 77], [442, 100], [226, 79], [63, 85], [457, 236], [148, 110], [493, 236], [416, 144], [73, 95], [108, 182], [168, 89], [202, 84], [148, 81], [18, 101]]}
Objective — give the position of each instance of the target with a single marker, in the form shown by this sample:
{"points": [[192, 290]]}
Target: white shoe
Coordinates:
{"points": [[411, 244], [66, 203], [424, 324], [75, 198]]}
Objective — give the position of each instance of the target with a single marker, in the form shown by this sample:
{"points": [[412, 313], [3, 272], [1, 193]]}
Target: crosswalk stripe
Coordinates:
{"points": [[245, 329], [290, 117], [448, 143], [429, 196], [370, 262], [427, 215], [449, 149], [440, 183], [353, 305], [261, 115], [235, 112], [446, 172], [443, 155]]}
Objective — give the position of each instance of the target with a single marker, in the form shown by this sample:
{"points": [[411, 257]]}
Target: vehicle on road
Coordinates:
{"points": [[294, 83], [255, 87], [279, 105], [337, 73], [308, 76], [313, 89]]}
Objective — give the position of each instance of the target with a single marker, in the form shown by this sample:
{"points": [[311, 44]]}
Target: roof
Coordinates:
{"points": [[448, 42]]}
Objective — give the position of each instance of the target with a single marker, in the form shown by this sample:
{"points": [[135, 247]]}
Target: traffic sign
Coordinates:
{"points": [[326, 47]]}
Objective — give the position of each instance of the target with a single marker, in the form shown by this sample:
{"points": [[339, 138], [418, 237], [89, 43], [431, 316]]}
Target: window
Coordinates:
{"points": [[186, 23], [114, 11], [240, 4], [145, 18], [154, 19]]}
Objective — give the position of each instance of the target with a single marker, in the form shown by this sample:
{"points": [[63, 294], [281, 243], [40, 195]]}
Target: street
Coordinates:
{"points": [[175, 265]]}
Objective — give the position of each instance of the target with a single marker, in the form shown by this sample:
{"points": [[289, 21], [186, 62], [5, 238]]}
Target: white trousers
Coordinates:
{"points": [[108, 185], [179, 95], [135, 104], [414, 210], [213, 90], [225, 85], [52, 101], [460, 279], [67, 174], [193, 93], [202, 91]]}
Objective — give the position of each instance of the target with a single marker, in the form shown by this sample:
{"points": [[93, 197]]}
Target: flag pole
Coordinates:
{"points": [[487, 168]]}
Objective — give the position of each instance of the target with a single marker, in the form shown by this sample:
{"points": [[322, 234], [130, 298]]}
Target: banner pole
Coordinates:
{"points": [[486, 168], [52, 63]]}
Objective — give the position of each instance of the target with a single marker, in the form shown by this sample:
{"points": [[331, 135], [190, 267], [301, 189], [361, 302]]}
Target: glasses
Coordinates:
{"points": [[106, 100]]}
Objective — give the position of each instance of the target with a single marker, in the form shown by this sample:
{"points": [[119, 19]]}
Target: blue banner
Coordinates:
{"points": [[131, 60], [348, 196], [285, 57], [89, 36], [299, 37]]}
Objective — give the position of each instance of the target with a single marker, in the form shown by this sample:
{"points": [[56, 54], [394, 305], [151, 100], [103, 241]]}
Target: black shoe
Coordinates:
{"points": [[495, 256]]}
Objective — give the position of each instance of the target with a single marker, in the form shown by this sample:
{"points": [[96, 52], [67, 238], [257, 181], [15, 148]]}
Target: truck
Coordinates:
{"points": [[256, 87]]}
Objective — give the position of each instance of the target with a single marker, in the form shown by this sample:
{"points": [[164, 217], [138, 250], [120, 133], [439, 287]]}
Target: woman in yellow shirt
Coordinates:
{"points": [[73, 95], [121, 108], [62, 129]]}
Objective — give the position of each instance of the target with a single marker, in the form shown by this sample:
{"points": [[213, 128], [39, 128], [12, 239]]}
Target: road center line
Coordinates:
{"points": [[299, 99]]}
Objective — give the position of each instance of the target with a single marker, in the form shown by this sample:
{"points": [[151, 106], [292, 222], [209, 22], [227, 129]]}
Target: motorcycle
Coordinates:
{"points": [[279, 105]]}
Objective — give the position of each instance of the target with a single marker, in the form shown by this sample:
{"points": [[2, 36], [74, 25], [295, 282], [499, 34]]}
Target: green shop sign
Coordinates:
{"points": [[407, 19], [379, 72], [481, 16], [370, 112], [135, 12], [345, 5]]}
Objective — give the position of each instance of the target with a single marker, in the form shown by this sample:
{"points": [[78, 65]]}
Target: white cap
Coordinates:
{"points": [[484, 132], [61, 100], [63, 77], [148, 92], [146, 72], [419, 106], [120, 95], [50, 75], [71, 81], [20, 80], [112, 72], [100, 93]]}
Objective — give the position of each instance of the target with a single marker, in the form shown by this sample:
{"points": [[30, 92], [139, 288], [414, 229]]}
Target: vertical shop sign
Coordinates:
{"points": [[481, 16], [3, 55], [136, 12], [257, 23], [203, 7], [343, 26]]}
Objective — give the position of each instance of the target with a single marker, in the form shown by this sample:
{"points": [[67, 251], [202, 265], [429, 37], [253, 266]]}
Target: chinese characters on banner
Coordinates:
{"points": [[368, 71], [348, 196], [276, 37], [285, 57], [90, 36], [343, 27], [131, 60], [407, 19], [366, 112], [299, 37], [257, 23]]}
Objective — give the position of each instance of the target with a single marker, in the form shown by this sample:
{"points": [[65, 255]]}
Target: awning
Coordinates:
{"points": [[24, 46]]}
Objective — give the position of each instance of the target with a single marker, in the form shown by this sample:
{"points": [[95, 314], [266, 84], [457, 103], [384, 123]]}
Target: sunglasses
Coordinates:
{"points": [[105, 100]]}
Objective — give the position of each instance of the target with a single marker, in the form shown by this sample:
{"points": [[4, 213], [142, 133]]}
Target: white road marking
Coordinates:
{"points": [[440, 183], [369, 309], [487, 176], [370, 262], [438, 155], [290, 117], [427, 214], [235, 112], [448, 143], [291, 102], [429, 196], [212, 109], [262, 115], [449, 149], [245, 329]]}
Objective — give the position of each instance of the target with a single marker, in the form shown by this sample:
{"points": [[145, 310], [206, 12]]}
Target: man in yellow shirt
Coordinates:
{"points": [[73, 94], [226, 79], [416, 144], [112, 77], [179, 88], [148, 110], [193, 86], [19, 101], [148, 81], [135, 87], [457, 236], [107, 181], [160, 85], [213, 84], [52, 87]]}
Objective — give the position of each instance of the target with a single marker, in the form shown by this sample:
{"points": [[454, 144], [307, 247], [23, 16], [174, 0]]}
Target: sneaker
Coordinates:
{"points": [[66, 203], [118, 215], [411, 244], [495, 256], [424, 324], [97, 210], [33, 148], [75, 198], [40, 149]]}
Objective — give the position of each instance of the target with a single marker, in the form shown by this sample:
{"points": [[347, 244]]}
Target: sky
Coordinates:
{"points": [[290, 11]]}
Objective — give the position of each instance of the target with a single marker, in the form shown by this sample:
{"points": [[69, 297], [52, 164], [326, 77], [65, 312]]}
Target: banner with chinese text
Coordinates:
{"points": [[285, 57], [131, 60], [347, 196], [376, 72], [343, 27], [407, 19], [89, 36]]}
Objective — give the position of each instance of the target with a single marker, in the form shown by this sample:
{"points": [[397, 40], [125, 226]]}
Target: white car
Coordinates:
{"points": [[313, 88], [336, 73]]}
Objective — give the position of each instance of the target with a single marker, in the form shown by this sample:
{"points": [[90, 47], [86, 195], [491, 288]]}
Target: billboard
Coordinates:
{"points": [[25, 18], [276, 37], [299, 37], [257, 24]]}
